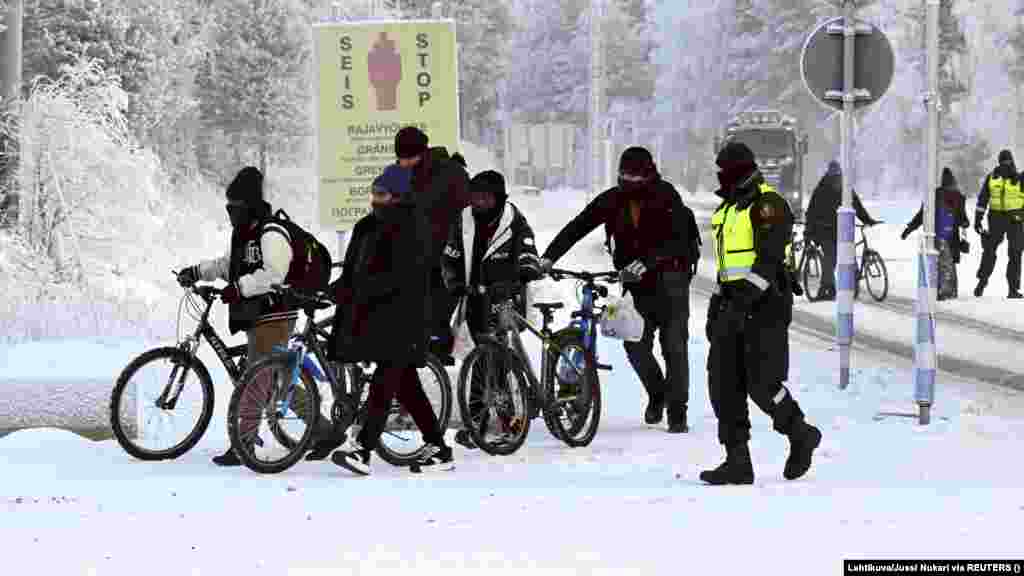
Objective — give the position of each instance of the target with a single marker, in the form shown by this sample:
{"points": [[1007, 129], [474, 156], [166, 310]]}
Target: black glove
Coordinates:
{"points": [[187, 277], [906, 232], [978, 226], [633, 273], [713, 310]]}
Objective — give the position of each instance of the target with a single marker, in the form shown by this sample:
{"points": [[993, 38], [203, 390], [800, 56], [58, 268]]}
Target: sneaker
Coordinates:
{"points": [[353, 457], [227, 459], [463, 438], [323, 448], [434, 457]]}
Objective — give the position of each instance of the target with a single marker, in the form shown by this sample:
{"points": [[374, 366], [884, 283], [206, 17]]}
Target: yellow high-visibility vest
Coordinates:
{"points": [[1004, 195], [734, 243]]}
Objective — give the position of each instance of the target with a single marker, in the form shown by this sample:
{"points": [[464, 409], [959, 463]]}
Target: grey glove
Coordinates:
{"points": [[633, 273]]}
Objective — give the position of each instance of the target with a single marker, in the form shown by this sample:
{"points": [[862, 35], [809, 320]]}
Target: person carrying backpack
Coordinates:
{"points": [[260, 254], [950, 216], [491, 243], [656, 248], [382, 317]]}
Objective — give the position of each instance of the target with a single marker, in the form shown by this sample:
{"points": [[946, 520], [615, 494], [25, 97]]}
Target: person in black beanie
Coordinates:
{"points": [[748, 320], [1003, 196], [439, 191], [259, 256], [950, 217], [656, 250], [491, 243]]}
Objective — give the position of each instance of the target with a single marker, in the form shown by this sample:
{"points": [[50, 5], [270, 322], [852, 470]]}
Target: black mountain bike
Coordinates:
{"points": [[283, 390], [870, 268], [499, 392], [172, 382]]}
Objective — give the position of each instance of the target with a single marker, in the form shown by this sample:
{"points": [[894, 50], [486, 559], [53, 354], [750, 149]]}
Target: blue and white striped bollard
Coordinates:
{"points": [[846, 270]]}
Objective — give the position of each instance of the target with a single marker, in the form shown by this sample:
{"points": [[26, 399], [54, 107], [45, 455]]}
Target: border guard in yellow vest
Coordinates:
{"points": [[748, 319], [1002, 194]]}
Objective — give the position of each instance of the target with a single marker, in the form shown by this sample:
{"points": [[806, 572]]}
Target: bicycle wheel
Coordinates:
{"points": [[262, 394], [402, 440], [875, 275], [574, 407], [811, 273], [494, 399], [139, 407]]}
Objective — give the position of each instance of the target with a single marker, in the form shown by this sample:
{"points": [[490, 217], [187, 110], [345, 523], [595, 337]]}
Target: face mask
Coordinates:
{"points": [[238, 214]]}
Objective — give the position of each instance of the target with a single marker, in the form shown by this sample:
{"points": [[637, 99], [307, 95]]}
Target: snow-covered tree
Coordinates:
{"points": [[253, 84]]}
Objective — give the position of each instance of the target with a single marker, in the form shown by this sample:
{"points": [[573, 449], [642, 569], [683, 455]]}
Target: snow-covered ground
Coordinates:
{"points": [[630, 502]]}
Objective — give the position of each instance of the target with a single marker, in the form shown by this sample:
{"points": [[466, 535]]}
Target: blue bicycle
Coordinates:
{"points": [[499, 391]]}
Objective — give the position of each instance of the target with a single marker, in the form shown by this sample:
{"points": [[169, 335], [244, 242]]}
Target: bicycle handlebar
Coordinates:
{"points": [[610, 277], [320, 299]]}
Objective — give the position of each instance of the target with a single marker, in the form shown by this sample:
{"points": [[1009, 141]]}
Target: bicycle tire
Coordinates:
{"points": [[294, 452], [483, 351], [583, 430], [176, 356], [811, 258], [396, 458], [873, 257]]}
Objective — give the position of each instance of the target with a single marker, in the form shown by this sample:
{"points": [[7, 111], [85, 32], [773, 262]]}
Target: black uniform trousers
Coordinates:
{"points": [[826, 240], [666, 310], [1011, 226], [751, 363]]}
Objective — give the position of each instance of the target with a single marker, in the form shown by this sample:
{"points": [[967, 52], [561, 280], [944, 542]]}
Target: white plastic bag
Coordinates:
{"points": [[621, 321]]}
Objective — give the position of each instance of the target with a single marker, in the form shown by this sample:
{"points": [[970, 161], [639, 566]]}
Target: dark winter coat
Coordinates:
{"points": [[383, 292], [485, 254], [660, 237], [440, 192], [950, 200], [825, 202]]}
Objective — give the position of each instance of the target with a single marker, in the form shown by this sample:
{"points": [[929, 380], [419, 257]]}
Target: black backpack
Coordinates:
{"points": [[310, 270]]}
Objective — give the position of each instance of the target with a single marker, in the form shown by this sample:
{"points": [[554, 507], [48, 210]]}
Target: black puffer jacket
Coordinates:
{"points": [[825, 202]]}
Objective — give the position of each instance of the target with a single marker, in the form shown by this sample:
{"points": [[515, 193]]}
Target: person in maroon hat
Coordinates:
{"points": [[440, 191], [656, 249]]}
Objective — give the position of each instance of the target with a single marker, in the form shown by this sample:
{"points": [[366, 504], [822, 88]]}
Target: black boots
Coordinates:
{"points": [[655, 411], [736, 469], [802, 441], [677, 421], [980, 288]]}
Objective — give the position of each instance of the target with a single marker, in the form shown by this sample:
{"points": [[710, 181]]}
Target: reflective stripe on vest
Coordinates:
{"points": [[734, 243], [1005, 195]]}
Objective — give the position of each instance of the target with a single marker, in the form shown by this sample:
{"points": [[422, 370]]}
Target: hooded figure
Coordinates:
{"points": [[654, 243], [820, 224], [950, 216], [1002, 195]]}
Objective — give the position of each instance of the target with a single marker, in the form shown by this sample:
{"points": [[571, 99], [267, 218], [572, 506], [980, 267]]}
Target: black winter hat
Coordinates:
{"points": [[247, 186], [737, 154], [490, 181], [1005, 157], [410, 142], [637, 161], [948, 180]]}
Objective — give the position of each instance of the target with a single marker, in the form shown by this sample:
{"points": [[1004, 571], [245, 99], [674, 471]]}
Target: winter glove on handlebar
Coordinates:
{"points": [[187, 277], [230, 294], [545, 266], [906, 232], [633, 273]]}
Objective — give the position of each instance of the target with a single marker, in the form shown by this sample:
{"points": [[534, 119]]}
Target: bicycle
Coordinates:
{"points": [[125, 401], [870, 268], [568, 390], [301, 364]]}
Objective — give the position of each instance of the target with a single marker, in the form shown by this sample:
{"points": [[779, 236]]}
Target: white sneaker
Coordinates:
{"points": [[353, 457]]}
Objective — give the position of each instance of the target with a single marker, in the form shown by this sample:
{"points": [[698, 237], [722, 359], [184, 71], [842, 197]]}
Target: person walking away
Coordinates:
{"points": [[440, 191], [656, 249], [748, 320], [492, 243], [382, 316], [820, 223], [259, 256], [1002, 197], [950, 216]]}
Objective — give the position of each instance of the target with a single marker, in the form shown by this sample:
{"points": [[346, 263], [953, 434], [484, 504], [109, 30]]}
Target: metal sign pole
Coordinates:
{"points": [[924, 333], [846, 265], [596, 172]]}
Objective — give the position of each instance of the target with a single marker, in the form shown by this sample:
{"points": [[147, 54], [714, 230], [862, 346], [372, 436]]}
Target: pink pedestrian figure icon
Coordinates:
{"points": [[384, 65]]}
